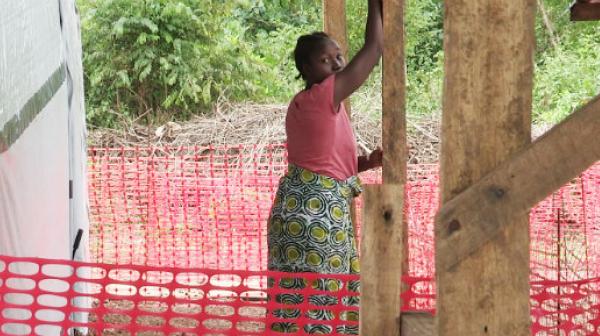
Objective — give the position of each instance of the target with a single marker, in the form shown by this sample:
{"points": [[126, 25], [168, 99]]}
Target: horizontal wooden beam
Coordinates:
{"points": [[474, 217], [417, 324], [585, 11]]}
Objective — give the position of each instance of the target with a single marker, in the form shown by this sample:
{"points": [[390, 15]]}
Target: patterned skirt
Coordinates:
{"points": [[310, 230]]}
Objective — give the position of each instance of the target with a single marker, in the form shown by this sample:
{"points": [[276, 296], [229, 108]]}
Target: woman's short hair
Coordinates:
{"points": [[306, 46]]}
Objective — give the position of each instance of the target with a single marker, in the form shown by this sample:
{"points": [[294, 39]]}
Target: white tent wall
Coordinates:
{"points": [[78, 207], [43, 188], [78, 214]]}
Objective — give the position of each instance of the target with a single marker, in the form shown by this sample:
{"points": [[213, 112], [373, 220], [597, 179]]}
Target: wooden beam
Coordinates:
{"points": [[381, 257], [585, 11], [394, 118], [394, 93], [487, 99], [473, 218], [417, 324], [334, 22]]}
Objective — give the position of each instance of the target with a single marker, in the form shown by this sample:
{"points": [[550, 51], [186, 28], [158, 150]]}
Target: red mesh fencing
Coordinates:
{"points": [[207, 207], [163, 214], [49, 297]]}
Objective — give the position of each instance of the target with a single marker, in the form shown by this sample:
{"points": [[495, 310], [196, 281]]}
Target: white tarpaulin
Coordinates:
{"points": [[43, 195]]}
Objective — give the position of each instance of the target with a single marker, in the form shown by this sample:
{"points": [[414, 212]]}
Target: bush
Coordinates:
{"points": [[146, 57], [163, 59]]}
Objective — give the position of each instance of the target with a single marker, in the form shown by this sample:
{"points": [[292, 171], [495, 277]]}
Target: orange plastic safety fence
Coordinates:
{"points": [[160, 216]]}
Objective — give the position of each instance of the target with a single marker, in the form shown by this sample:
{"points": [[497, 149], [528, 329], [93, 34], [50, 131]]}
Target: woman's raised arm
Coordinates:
{"points": [[359, 68]]}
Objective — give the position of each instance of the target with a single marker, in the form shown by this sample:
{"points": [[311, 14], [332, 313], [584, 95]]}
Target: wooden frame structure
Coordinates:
{"points": [[491, 173]]}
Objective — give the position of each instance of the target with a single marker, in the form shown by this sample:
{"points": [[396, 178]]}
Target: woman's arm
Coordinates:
{"points": [[358, 70]]}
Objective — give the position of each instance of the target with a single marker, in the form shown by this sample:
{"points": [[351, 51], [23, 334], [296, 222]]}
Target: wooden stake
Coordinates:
{"points": [[394, 92], [417, 324], [486, 118], [334, 24], [381, 244], [394, 113]]}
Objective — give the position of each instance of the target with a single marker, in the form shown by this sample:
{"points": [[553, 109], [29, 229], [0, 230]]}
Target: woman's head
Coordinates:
{"points": [[317, 56]]}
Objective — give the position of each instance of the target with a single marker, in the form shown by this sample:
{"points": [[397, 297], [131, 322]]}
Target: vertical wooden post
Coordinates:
{"points": [[394, 122], [334, 24], [384, 249], [486, 117], [394, 93], [381, 246]]}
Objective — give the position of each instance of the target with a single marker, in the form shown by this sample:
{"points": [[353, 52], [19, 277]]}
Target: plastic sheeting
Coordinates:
{"points": [[43, 189]]}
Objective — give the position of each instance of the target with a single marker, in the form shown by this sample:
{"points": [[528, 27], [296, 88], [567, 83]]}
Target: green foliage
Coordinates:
{"points": [[167, 59], [272, 27], [146, 56], [567, 63], [162, 59], [423, 52], [424, 56]]}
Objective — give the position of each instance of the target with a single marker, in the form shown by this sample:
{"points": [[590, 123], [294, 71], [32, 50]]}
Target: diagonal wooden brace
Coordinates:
{"points": [[474, 217]]}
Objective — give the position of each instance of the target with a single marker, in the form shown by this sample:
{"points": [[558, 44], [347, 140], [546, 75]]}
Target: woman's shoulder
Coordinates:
{"points": [[319, 93], [326, 84]]}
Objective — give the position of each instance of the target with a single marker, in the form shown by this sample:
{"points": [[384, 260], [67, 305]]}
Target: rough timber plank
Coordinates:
{"points": [[381, 266], [585, 11], [394, 93], [394, 112], [334, 24], [486, 118], [518, 184], [417, 324]]}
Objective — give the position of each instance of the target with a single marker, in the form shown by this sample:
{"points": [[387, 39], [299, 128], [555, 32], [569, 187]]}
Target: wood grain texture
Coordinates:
{"points": [[473, 218], [394, 139], [381, 260], [417, 324], [486, 118], [394, 93], [334, 24]]}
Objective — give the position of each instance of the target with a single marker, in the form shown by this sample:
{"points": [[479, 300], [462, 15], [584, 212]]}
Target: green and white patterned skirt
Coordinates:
{"points": [[310, 230]]}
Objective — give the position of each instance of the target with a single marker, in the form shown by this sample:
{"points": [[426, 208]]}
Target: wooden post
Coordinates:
{"points": [[334, 24], [417, 324], [381, 245], [394, 93], [515, 186], [394, 121], [486, 117], [384, 247]]}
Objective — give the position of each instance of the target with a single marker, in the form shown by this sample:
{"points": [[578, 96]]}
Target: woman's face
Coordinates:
{"points": [[324, 62]]}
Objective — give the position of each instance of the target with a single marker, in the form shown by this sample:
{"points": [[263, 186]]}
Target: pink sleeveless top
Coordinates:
{"points": [[319, 138]]}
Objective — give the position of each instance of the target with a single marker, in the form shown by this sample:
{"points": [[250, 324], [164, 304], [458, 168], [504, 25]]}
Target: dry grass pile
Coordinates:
{"points": [[259, 125]]}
